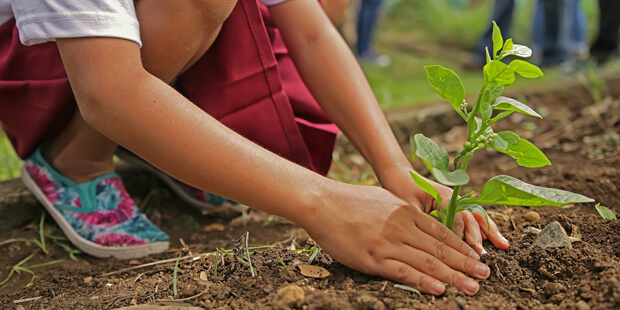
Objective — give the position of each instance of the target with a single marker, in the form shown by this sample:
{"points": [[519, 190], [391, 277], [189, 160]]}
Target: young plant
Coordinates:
{"points": [[489, 108]]}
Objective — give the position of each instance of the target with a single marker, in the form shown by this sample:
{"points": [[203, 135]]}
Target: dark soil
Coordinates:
{"points": [[580, 138]]}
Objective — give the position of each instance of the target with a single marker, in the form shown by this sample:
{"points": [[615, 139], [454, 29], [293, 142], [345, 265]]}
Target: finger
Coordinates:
{"points": [[431, 266], [459, 225], [443, 234], [473, 235], [405, 274], [448, 258], [484, 237], [498, 240]]}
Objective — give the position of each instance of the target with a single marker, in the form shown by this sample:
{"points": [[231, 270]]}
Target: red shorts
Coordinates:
{"points": [[246, 80]]}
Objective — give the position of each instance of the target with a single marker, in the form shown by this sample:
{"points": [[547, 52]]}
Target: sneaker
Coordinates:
{"points": [[204, 201], [98, 217]]}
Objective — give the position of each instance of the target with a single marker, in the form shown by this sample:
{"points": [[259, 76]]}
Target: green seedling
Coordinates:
{"points": [[174, 276], [315, 252], [19, 267], [489, 108], [281, 261], [604, 212]]}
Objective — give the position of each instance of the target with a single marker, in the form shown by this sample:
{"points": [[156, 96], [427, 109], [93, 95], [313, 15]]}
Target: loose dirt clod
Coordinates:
{"points": [[532, 216], [553, 236], [290, 295]]}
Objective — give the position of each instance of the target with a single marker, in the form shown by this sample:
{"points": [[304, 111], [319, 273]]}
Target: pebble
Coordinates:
{"points": [[87, 280], [532, 216], [553, 236], [290, 295]]}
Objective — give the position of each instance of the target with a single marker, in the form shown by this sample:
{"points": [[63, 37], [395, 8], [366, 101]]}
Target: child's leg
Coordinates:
{"points": [[175, 34]]}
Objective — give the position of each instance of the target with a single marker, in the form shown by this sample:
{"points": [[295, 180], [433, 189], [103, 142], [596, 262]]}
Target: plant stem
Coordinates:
{"points": [[455, 194]]}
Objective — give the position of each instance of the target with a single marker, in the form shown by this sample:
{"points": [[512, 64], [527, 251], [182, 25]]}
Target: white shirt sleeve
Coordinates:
{"points": [[271, 2], [40, 21]]}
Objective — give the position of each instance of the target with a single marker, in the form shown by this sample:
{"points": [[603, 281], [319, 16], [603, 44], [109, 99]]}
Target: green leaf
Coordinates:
{"points": [[495, 91], [475, 207], [605, 213], [507, 47], [519, 51], [447, 84], [436, 160], [509, 104], [497, 72], [431, 153], [486, 49], [506, 190], [425, 186], [525, 69], [498, 143], [498, 41], [450, 178], [486, 111], [437, 215], [526, 153]]}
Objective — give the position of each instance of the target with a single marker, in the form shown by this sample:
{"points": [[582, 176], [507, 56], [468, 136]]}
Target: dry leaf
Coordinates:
{"points": [[313, 271]]}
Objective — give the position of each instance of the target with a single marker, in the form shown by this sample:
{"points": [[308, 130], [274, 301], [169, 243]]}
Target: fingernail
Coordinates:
{"points": [[483, 270], [504, 240], [471, 287], [474, 255], [483, 251], [437, 288]]}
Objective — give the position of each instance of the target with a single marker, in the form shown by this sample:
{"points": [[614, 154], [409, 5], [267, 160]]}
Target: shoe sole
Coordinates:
{"points": [[203, 206], [86, 245]]}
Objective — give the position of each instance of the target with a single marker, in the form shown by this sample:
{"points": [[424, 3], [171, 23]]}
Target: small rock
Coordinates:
{"points": [[532, 216], [462, 302], [553, 236], [20, 307], [87, 280], [290, 295], [203, 276], [582, 305]]}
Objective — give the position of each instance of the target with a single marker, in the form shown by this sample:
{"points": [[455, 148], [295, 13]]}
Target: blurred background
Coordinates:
{"points": [[409, 34]]}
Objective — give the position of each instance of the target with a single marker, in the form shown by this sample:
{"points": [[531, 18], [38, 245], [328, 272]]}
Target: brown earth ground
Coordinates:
{"points": [[580, 138]]}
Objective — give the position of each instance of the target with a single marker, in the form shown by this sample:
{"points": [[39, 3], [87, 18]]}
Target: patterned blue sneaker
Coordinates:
{"points": [[204, 201], [98, 217]]}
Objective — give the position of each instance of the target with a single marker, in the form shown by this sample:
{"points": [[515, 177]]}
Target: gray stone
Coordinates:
{"points": [[18, 206], [553, 236]]}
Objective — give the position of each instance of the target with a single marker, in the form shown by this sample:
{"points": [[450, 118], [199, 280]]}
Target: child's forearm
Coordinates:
{"points": [[150, 118], [335, 79]]}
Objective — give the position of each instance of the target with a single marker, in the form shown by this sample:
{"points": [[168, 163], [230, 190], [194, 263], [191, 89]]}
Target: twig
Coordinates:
{"points": [[247, 252], [172, 260], [165, 261], [185, 247], [19, 301], [184, 299]]}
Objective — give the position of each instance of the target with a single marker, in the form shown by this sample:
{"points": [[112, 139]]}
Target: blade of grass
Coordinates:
{"points": [[42, 233], [314, 254], [174, 276]]}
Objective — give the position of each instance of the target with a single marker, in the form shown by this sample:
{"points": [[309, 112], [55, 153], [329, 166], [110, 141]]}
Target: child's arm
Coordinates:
{"points": [[339, 85], [366, 228]]}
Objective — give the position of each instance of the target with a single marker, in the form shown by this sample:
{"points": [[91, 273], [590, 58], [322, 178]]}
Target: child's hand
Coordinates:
{"points": [[466, 224], [369, 229]]}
